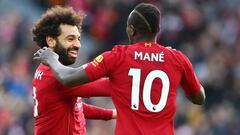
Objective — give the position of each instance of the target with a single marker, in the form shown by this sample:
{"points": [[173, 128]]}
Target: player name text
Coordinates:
{"points": [[38, 75], [158, 57]]}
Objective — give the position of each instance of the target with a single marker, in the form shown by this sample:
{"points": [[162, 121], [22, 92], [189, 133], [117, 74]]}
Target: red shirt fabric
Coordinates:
{"points": [[144, 78], [59, 110]]}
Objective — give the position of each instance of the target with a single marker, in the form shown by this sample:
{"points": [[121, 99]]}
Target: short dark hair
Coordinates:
{"points": [[49, 23], [146, 19]]}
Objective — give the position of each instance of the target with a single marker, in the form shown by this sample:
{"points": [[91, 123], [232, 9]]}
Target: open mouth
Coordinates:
{"points": [[73, 53]]}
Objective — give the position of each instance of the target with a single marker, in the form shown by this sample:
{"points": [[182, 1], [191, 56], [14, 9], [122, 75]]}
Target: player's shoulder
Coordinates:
{"points": [[43, 77], [43, 67], [173, 51], [120, 47], [176, 54], [42, 70], [179, 54], [124, 48]]}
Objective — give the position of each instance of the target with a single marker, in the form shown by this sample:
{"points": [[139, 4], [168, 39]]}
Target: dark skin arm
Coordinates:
{"points": [[75, 76], [66, 75], [198, 98]]}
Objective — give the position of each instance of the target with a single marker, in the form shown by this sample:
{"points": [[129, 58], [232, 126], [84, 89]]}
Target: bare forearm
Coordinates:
{"points": [[66, 75], [198, 98]]}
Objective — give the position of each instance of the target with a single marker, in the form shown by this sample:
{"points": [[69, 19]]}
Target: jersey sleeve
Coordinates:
{"points": [[100, 87], [189, 82], [94, 112], [103, 65]]}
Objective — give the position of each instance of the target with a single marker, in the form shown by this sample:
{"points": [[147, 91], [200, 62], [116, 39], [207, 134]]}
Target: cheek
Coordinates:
{"points": [[65, 49], [67, 46]]}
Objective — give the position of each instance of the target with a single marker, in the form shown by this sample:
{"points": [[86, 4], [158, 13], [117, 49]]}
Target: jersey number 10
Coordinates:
{"points": [[136, 76]]}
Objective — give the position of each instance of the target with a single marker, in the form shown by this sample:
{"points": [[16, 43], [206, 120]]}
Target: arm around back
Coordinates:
{"points": [[69, 76], [66, 75]]}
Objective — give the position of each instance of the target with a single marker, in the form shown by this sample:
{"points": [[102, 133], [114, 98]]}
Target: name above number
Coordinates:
{"points": [[157, 57]]}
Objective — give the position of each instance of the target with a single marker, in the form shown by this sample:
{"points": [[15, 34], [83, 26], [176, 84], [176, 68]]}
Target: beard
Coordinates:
{"points": [[64, 58]]}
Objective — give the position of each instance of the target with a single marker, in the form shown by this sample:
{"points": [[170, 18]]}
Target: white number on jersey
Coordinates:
{"points": [[147, 87]]}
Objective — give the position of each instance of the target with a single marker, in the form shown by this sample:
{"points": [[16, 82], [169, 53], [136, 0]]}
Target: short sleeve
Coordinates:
{"points": [[189, 82]]}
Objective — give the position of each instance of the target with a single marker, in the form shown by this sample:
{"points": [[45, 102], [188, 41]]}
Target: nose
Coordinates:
{"points": [[77, 44]]}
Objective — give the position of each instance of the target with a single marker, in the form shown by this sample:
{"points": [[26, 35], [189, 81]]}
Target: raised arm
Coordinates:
{"points": [[66, 75]]}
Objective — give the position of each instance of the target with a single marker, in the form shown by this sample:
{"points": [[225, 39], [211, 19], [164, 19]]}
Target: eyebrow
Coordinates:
{"points": [[71, 36]]}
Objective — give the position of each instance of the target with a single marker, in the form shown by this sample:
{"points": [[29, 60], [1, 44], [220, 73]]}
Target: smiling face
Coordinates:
{"points": [[67, 44]]}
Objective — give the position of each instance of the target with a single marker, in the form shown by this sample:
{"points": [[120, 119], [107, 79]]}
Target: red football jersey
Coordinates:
{"points": [[58, 110], [144, 78]]}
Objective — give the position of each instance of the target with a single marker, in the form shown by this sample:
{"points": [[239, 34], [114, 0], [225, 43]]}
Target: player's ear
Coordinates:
{"points": [[50, 41], [132, 30]]}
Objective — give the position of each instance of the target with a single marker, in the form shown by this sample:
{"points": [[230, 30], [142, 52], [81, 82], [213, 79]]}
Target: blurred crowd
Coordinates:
{"points": [[207, 31]]}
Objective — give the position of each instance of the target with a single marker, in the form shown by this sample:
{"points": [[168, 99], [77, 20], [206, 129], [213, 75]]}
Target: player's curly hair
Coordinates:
{"points": [[49, 23], [146, 19]]}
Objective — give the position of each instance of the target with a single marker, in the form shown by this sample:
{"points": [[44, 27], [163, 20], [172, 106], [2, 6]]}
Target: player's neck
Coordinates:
{"points": [[144, 39]]}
